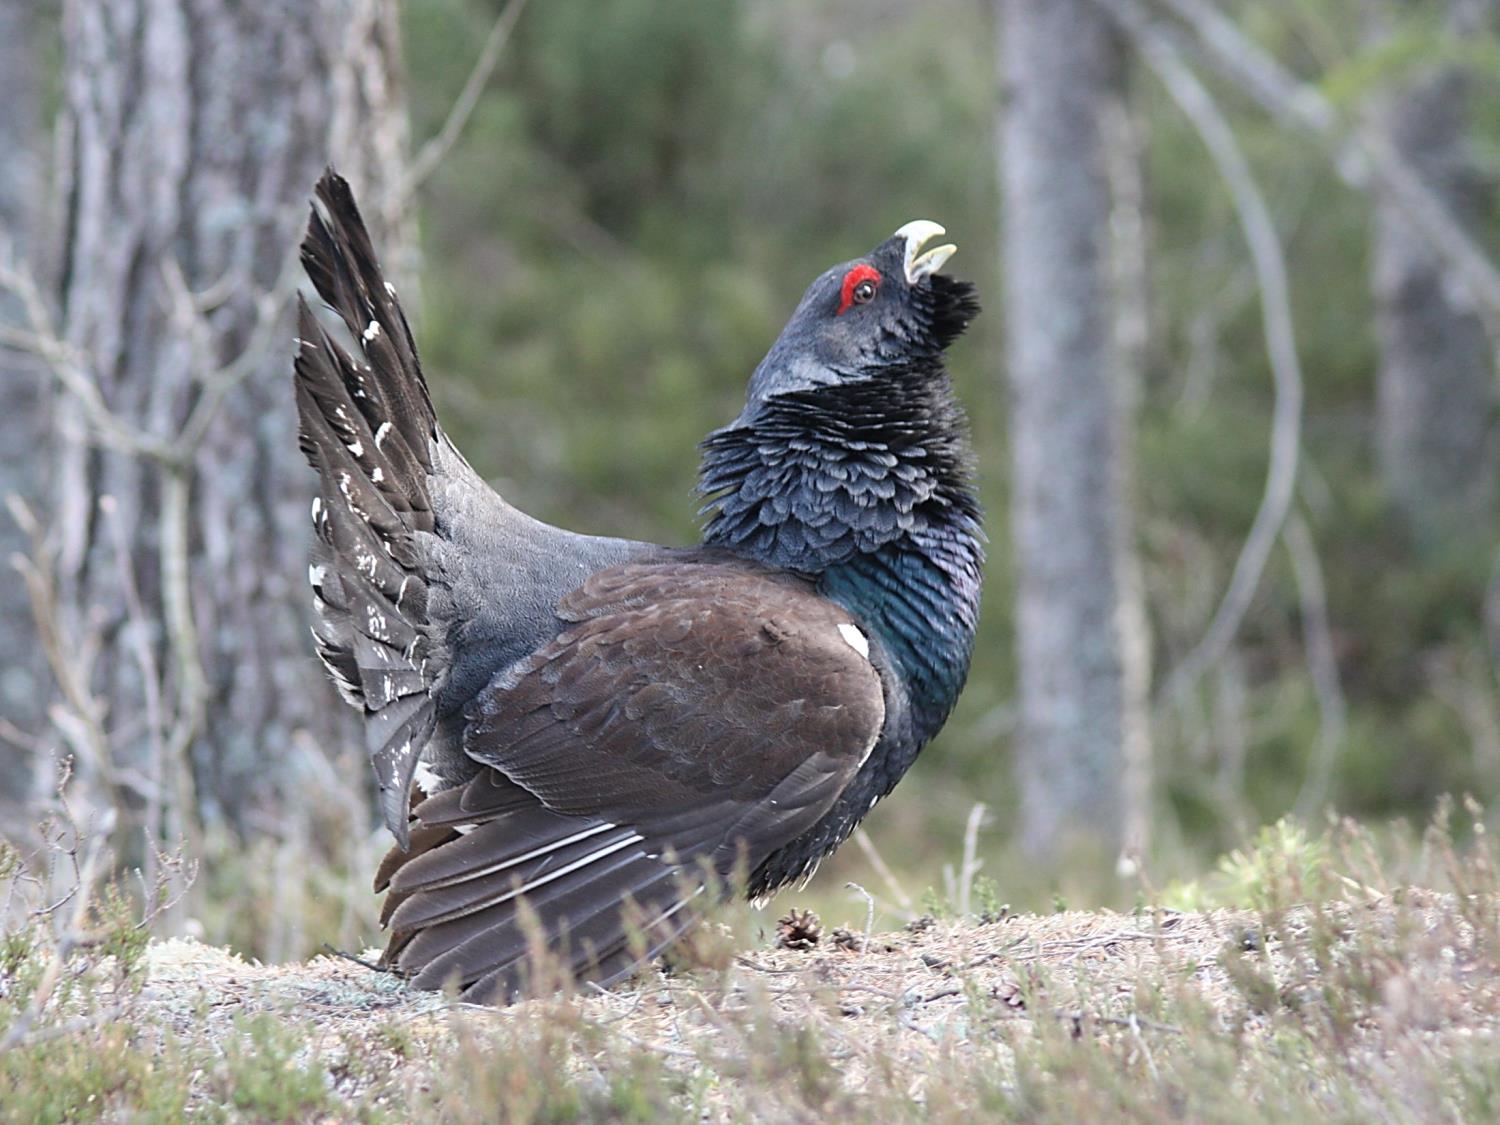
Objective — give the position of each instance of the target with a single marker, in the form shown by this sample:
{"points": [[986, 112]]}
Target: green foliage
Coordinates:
{"points": [[110, 1075], [270, 1074], [644, 190], [988, 906], [1283, 855]]}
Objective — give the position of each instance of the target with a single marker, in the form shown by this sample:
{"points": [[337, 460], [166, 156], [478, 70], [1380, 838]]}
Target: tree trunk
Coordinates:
{"points": [[193, 131], [21, 401], [1436, 397], [1131, 304], [1068, 492]]}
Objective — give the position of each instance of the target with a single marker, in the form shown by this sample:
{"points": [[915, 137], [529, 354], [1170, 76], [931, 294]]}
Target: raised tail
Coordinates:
{"points": [[368, 428]]}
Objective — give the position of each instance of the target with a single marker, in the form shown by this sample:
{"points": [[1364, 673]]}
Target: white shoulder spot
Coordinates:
{"points": [[855, 639], [425, 776], [371, 330]]}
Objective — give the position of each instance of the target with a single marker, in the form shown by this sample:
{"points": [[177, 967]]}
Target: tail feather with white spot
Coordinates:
{"points": [[368, 428]]}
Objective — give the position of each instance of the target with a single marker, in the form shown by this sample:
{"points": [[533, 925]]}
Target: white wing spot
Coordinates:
{"points": [[378, 475], [854, 639], [357, 447], [372, 330], [345, 483], [385, 428], [315, 576]]}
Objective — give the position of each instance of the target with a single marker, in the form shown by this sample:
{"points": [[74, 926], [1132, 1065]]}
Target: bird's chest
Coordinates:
{"points": [[923, 619]]}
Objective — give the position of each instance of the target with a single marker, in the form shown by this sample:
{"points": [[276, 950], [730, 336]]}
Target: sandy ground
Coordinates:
{"points": [[911, 991]]}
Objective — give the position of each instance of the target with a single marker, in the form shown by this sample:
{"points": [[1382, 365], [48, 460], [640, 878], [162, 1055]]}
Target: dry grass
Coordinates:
{"points": [[1373, 1004]]}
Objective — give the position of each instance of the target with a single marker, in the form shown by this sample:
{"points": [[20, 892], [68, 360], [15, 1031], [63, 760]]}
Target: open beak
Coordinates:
{"points": [[918, 264]]}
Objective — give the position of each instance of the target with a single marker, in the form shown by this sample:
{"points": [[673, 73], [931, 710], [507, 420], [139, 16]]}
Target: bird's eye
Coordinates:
{"points": [[860, 286]]}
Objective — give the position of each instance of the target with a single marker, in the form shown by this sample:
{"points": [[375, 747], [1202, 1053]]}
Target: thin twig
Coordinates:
{"points": [[432, 153], [1281, 344], [29, 1038], [971, 864], [887, 876], [72, 371], [869, 911], [1358, 149], [661, 1048], [1322, 664], [1134, 1023], [360, 961], [220, 380], [138, 641], [69, 657], [72, 935]]}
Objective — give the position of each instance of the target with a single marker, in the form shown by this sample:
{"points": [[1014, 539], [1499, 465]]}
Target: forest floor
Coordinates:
{"points": [[1375, 1007]]}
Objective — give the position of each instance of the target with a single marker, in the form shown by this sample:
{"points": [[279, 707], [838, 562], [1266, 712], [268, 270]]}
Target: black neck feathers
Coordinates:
{"points": [[808, 479], [864, 485]]}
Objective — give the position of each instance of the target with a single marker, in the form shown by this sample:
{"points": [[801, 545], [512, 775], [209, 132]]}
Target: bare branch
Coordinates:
{"points": [[71, 370], [1322, 665], [971, 862], [71, 937], [220, 381], [432, 153], [78, 717], [1358, 149], [139, 644], [869, 911], [1281, 345], [883, 869], [182, 643]]}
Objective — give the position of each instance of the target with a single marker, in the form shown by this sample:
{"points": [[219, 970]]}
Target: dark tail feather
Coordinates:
{"points": [[466, 904], [368, 427]]}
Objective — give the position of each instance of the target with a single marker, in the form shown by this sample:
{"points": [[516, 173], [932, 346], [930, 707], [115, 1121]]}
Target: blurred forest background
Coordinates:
{"points": [[1233, 392]]}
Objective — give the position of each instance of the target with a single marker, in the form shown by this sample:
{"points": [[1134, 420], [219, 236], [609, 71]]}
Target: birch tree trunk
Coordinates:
{"points": [[1058, 58], [192, 133], [1436, 390]]}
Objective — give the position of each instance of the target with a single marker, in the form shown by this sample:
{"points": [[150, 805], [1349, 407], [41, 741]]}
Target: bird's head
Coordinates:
{"points": [[889, 308]]}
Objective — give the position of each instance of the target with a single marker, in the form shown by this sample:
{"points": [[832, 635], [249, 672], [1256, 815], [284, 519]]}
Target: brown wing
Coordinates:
{"points": [[691, 711]]}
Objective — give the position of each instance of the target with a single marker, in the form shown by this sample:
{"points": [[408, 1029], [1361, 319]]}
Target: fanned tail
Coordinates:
{"points": [[368, 427]]}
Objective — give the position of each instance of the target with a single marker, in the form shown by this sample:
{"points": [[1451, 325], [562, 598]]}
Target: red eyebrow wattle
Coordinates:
{"points": [[861, 272]]}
